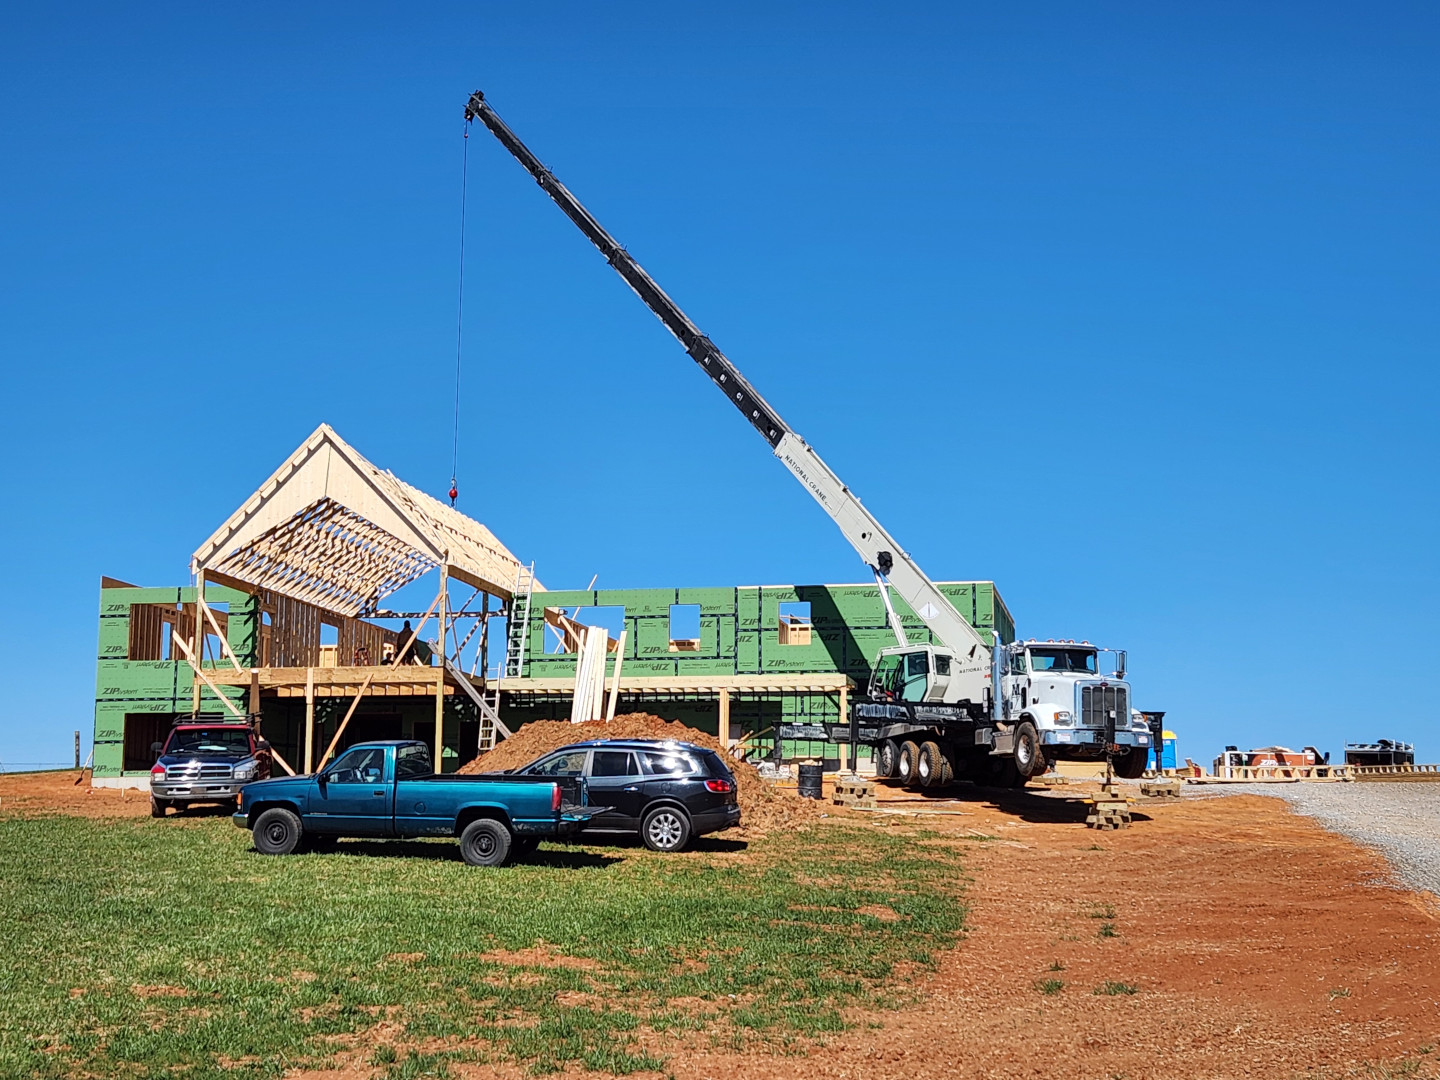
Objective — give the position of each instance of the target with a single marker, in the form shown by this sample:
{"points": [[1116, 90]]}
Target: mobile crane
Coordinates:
{"points": [[929, 712]]}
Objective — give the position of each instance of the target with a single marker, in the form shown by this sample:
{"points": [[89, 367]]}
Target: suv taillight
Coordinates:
{"points": [[555, 798], [722, 787]]}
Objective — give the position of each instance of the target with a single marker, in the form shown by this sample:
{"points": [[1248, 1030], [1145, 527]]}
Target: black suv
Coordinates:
{"points": [[664, 790]]}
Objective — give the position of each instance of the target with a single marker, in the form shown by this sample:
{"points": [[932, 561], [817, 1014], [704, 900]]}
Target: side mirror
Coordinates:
{"points": [[1120, 658]]}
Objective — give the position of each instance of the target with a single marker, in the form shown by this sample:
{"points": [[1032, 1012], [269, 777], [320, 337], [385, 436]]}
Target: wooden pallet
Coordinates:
{"points": [[1160, 789], [856, 793], [1108, 810]]}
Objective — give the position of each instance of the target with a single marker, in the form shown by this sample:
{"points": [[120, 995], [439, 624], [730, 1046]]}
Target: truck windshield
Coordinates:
{"points": [[233, 740], [1081, 661]]}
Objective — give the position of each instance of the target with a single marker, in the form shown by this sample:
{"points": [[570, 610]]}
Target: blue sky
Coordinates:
{"points": [[1129, 309]]}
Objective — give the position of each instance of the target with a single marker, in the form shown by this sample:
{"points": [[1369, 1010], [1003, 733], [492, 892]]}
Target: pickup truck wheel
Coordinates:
{"points": [[485, 842], [157, 808], [665, 829], [277, 832]]}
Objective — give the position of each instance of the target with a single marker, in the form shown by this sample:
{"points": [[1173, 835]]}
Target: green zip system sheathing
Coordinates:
{"points": [[157, 688], [739, 634]]}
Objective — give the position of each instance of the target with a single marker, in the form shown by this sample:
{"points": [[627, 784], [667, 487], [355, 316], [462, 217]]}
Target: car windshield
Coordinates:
{"points": [[1081, 661], [233, 740]]}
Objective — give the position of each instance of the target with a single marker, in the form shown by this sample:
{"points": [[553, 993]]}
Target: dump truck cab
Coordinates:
{"points": [[1079, 711]]}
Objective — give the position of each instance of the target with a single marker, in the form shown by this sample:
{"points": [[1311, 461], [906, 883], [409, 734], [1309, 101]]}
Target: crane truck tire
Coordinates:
{"points": [[887, 759], [1004, 774], [905, 765], [930, 765], [1026, 755], [1131, 764]]}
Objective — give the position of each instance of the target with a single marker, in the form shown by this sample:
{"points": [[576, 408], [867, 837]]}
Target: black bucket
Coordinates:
{"points": [[812, 781]]}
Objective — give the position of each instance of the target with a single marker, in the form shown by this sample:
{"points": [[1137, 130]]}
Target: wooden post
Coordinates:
{"points": [[255, 691], [851, 746], [724, 735], [309, 720], [440, 678], [439, 720], [198, 655], [484, 643], [615, 681]]}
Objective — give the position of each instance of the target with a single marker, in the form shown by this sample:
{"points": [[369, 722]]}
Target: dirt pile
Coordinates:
{"points": [[762, 805]]}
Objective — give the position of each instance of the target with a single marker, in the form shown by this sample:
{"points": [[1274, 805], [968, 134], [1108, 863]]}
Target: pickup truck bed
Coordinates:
{"points": [[361, 796]]}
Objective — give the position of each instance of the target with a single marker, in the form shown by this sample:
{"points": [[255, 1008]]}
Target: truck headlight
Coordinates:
{"points": [[1062, 716], [246, 770]]}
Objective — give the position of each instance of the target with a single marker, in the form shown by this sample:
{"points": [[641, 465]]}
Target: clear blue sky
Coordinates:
{"points": [[1130, 309]]}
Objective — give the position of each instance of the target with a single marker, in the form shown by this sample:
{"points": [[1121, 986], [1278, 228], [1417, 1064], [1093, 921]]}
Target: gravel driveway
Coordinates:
{"points": [[1400, 820]]}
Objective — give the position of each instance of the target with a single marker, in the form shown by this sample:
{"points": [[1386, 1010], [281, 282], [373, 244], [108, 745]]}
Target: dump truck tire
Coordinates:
{"points": [[485, 842], [887, 759], [930, 765], [277, 832], [1131, 764], [1026, 753], [906, 764]]}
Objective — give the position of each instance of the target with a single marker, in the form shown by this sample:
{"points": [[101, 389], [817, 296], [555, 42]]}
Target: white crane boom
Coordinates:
{"points": [[865, 534]]}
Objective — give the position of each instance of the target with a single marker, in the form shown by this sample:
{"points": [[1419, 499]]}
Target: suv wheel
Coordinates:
{"points": [[277, 832], [665, 829], [485, 842]]}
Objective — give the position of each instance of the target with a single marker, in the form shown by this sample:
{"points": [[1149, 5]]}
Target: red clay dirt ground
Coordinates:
{"points": [[1259, 944]]}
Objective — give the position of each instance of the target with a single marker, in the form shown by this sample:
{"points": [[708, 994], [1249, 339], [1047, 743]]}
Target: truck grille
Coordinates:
{"points": [[1097, 702], [192, 771]]}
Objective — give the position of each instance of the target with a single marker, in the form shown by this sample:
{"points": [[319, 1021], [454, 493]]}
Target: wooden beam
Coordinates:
{"points": [[255, 691], [724, 731], [341, 729], [416, 631], [190, 658], [214, 625], [615, 679]]}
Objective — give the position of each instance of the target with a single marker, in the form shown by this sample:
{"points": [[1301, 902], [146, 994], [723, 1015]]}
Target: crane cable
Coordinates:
{"points": [[459, 316]]}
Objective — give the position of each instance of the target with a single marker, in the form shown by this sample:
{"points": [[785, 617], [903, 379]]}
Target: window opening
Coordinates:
{"points": [[684, 627], [795, 626]]}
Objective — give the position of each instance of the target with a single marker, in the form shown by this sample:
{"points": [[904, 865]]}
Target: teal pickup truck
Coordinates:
{"points": [[389, 789]]}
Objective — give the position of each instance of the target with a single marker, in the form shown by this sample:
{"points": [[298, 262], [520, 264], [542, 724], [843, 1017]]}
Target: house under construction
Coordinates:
{"points": [[284, 624]]}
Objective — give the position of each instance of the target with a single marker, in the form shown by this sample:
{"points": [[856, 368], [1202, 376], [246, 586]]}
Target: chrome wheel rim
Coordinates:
{"points": [[665, 830]]}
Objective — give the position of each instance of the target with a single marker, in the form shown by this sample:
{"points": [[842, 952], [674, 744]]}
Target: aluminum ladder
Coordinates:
{"points": [[517, 623]]}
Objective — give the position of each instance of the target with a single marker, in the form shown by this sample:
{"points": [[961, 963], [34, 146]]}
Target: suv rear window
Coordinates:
{"points": [[717, 766], [671, 763]]}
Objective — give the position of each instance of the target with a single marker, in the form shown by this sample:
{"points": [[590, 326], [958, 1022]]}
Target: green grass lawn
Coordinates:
{"points": [[146, 948]]}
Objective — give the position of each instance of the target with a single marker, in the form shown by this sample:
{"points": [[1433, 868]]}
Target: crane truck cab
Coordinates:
{"points": [[1077, 712]]}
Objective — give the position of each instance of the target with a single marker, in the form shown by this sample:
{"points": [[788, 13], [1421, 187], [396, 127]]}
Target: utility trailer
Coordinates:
{"points": [[932, 712]]}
